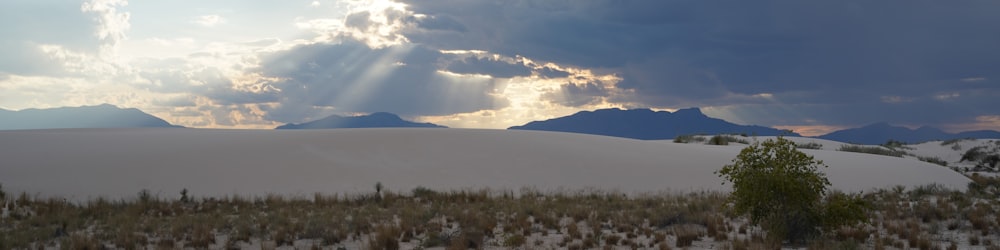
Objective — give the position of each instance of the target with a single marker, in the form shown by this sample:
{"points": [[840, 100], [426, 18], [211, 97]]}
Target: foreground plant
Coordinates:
{"points": [[782, 190]]}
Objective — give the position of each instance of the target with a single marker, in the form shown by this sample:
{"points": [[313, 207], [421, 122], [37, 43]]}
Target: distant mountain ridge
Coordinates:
{"points": [[882, 132], [374, 120], [646, 124], [99, 116]]}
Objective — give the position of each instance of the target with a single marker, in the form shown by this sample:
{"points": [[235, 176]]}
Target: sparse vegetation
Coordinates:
{"points": [[871, 150], [490, 219]]}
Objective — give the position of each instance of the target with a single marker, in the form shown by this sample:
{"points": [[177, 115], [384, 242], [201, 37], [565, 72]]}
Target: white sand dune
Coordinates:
{"points": [[85, 163]]}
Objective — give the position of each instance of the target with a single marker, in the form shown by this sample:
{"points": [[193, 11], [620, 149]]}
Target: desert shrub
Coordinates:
{"points": [[718, 140], [724, 140], [973, 154], [184, 196], [894, 144], [982, 156], [688, 139], [984, 185], [950, 141], [871, 150], [514, 240], [810, 145], [686, 236], [933, 159], [385, 238], [782, 189], [81, 241], [425, 193]]}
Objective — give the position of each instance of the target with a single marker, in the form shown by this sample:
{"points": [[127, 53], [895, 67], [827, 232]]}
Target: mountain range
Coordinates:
{"points": [[643, 124], [647, 124], [374, 120], [879, 133], [100, 116]]}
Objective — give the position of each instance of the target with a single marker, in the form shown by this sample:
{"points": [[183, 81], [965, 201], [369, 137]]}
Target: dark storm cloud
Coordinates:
{"points": [[440, 23], [574, 95], [824, 54], [351, 77]]}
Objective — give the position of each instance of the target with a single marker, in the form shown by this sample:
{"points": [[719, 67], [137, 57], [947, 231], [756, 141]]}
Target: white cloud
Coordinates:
{"points": [[974, 79], [209, 20], [112, 24], [377, 23], [947, 96], [895, 99]]}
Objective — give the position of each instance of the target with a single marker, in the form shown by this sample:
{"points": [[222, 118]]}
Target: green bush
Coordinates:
{"points": [[871, 150], [782, 190]]}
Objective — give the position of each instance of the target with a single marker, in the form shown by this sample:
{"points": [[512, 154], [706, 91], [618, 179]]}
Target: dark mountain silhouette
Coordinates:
{"points": [[981, 134], [879, 133], [100, 116], [374, 120], [646, 124]]}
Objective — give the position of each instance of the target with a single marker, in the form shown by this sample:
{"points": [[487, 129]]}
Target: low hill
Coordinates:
{"points": [[646, 124], [879, 133], [100, 116], [374, 120]]}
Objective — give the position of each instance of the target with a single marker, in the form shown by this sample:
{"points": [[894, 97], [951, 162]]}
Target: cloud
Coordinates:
{"points": [[353, 77], [839, 58], [771, 62], [25, 32], [209, 20], [574, 95], [493, 66], [112, 24]]}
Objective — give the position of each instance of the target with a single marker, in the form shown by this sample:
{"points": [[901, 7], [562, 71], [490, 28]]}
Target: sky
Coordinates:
{"points": [[810, 66]]}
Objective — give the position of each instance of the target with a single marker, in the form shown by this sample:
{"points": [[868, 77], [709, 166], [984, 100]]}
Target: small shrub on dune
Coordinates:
{"points": [[894, 144], [809, 145], [871, 150], [933, 159], [688, 139], [725, 140], [718, 140]]}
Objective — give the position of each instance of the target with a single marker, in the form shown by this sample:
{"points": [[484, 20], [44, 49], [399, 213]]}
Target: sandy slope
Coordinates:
{"points": [[82, 163]]}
